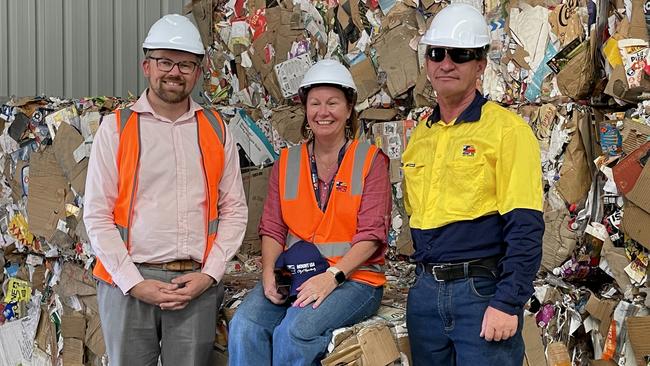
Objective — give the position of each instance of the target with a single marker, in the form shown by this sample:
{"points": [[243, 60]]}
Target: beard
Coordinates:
{"points": [[171, 96]]}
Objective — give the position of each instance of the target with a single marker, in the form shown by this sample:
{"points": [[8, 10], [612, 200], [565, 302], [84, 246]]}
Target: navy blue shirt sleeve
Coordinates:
{"points": [[523, 232]]}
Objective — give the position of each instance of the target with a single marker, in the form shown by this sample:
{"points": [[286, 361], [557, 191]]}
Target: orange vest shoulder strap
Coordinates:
{"points": [[210, 129], [127, 157], [290, 170]]}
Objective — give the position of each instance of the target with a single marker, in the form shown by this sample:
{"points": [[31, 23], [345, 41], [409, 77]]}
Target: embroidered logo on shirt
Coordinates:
{"points": [[469, 150], [341, 186]]}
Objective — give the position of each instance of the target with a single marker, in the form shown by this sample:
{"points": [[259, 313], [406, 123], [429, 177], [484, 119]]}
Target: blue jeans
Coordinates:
{"points": [[262, 333], [444, 324]]}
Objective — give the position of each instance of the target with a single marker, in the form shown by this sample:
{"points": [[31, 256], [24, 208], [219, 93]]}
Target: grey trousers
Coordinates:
{"points": [[137, 333]]}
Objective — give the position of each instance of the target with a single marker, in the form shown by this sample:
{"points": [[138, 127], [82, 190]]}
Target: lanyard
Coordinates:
{"points": [[314, 175]]}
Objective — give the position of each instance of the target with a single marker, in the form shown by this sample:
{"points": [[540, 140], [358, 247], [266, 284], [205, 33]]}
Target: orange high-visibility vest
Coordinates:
{"points": [[211, 138], [331, 231]]}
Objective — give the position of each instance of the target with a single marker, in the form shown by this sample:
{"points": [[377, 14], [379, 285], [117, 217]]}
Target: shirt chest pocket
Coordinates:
{"points": [[465, 187], [414, 184]]}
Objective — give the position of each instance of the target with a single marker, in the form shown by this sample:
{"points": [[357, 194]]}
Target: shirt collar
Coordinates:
{"points": [[471, 114], [142, 105]]}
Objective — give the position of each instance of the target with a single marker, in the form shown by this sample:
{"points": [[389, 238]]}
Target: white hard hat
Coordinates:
{"points": [[458, 26], [174, 32], [327, 72]]}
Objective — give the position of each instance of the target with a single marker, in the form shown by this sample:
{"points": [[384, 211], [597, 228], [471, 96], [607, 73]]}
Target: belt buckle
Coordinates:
{"points": [[433, 272], [174, 266], [179, 266]]}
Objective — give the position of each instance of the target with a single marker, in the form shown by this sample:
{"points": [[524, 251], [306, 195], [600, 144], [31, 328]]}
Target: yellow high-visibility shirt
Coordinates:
{"points": [[487, 161]]}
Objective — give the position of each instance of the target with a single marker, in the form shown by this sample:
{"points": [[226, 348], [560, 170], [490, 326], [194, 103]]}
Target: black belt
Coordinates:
{"points": [[486, 267]]}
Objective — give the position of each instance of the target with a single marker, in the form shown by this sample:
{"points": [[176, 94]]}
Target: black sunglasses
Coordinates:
{"points": [[457, 55]]}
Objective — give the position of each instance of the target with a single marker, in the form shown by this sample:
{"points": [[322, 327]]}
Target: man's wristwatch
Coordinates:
{"points": [[339, 276]]}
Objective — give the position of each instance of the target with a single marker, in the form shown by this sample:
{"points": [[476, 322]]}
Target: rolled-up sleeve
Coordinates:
{"points": [[271, 223], [375, 209]]}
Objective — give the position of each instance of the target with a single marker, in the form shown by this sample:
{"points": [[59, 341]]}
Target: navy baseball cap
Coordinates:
{"points": [[302, 260]]}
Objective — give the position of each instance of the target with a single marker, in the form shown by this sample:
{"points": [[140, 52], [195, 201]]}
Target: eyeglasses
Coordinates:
{"points": [[166, 65], [457, 55]]}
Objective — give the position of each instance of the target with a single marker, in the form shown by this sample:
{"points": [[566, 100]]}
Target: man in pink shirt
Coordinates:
{"points": [[164, 210]]}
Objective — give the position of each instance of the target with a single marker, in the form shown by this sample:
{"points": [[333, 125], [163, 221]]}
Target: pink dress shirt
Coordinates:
{"points": [[169, 210], [374, 212]]}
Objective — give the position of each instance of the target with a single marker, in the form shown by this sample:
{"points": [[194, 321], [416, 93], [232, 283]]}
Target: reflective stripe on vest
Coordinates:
{"points": [[125, 114], [357, 170], [213, 225], [217, 126], [293, 170], [293, 173], [331, 231], [124, 232], [211, 135]]}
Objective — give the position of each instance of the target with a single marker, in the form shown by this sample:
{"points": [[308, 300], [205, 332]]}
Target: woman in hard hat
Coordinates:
{"points": [[332, 193]]}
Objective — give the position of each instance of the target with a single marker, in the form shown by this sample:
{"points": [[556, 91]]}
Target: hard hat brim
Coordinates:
{"points": [[168, 46]]}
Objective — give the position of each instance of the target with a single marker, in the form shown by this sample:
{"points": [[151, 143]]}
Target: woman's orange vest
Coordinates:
{"points": [[211, 139], [331, 231]]}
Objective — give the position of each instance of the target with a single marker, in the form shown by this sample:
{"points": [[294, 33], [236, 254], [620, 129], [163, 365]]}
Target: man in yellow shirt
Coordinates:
{"points": [[474, 196]]}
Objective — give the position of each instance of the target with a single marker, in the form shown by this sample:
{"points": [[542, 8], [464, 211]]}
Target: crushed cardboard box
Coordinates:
{"points": [[372, 345]]}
